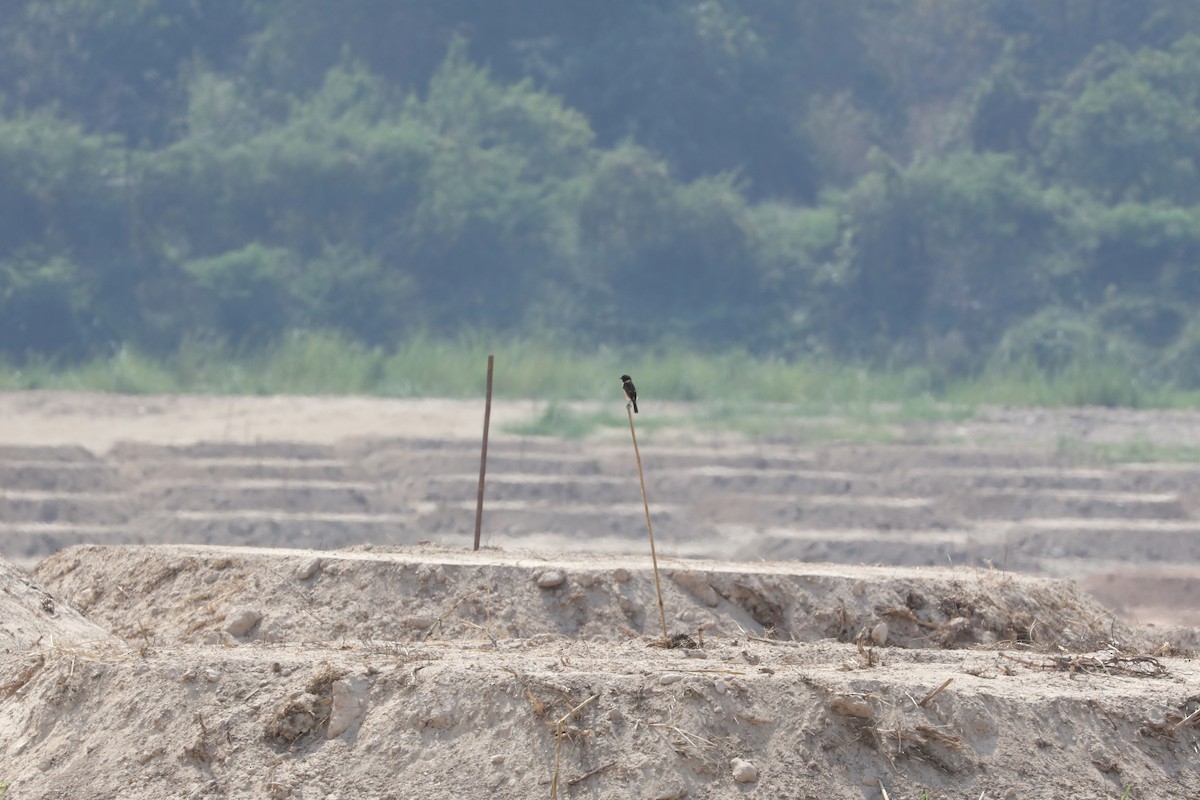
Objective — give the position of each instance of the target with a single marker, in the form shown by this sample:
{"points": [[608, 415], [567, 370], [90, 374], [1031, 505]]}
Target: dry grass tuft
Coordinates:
{"points": [[1112, 663], [307, 711], [559, 735]]}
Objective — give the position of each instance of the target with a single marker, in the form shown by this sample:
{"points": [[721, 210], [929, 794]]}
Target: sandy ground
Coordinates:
{"points": [[98, 422], [186, 630]]}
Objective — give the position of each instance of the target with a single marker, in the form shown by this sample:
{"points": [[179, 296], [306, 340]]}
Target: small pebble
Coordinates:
{"points": [[744, 771], [551, 579], [669, 678], [308, 569]]}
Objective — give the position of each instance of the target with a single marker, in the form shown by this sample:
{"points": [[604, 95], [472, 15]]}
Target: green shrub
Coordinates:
{"points": [[1050, 341], [1151, 322], [1180, 364]]}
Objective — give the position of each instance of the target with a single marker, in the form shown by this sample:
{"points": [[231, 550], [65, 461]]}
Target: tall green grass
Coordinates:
{"points": [[1079, 384], [125, 372], [737, 385]]}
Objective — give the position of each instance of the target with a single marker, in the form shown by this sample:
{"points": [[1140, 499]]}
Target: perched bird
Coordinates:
{"points": [[630, 391]]}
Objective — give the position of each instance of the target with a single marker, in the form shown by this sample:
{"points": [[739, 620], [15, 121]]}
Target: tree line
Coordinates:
{"points": [[958, 183]]}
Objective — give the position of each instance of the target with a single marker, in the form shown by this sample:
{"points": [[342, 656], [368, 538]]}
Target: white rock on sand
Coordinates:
{"points": [[743, 771], [242, 621], [349, 704]]}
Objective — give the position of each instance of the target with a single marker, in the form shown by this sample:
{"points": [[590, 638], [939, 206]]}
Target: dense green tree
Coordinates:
{"points": [[693, 81], [115, 65], [1130, 132], [1056, 35], [489, 228], [1004, 108], [665, 259], [64, 223], [795, 251], [1136, 249], [251, 291], [43, 306], [949, 181], [958, 248]]}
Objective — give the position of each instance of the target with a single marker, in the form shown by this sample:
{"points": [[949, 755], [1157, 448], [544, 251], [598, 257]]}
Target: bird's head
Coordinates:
{"points": [[624, 378]]}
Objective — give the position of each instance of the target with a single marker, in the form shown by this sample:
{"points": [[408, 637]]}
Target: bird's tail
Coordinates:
{"points": [[635, 406]]}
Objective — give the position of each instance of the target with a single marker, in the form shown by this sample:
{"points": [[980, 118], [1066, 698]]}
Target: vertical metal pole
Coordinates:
{"points": [[487, 421]]}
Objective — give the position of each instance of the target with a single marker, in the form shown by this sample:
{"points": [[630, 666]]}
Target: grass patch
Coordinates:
{"points": [[559, 420], [322, 362], [816, 400], [800, 423], [1078, 384], [1137, 451], [125, 372]]}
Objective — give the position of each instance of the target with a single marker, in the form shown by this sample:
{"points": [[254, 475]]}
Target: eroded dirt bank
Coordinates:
{"points": [[250, 672]]}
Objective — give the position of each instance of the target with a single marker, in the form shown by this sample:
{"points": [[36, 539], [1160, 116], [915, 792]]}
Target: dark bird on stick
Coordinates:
{"points": [[630, 391]]}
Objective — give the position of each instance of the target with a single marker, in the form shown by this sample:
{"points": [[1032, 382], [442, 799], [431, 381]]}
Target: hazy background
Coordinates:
{"points": [[956, 187]]}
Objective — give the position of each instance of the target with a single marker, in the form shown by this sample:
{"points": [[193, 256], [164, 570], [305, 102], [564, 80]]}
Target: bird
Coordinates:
{"points": [[630, 391]]}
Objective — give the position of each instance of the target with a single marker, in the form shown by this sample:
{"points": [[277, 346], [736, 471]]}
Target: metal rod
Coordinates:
{"points": [[487, 421]]}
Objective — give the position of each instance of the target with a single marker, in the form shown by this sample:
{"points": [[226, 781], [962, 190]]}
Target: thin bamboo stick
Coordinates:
{"points": [[662, 615]]}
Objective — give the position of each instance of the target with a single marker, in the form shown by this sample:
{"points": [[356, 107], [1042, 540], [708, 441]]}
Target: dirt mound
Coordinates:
{"points": [[459, 720], [197, 594], [434, 673]]}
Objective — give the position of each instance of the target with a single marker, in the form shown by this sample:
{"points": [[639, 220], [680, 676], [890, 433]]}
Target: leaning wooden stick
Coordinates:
{"points": [[662, 615], [487, 419], [929, 697]]}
